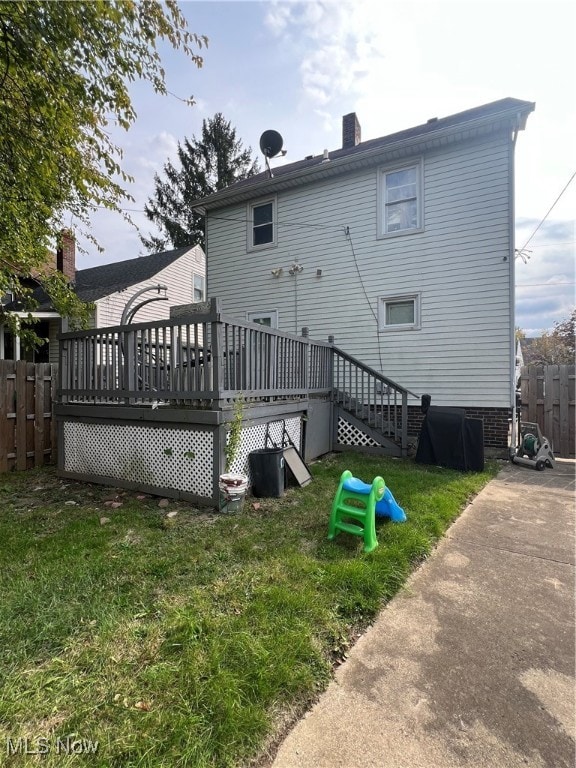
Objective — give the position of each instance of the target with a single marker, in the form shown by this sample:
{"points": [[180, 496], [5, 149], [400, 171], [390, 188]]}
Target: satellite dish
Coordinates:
{"points": [[271, 143]]}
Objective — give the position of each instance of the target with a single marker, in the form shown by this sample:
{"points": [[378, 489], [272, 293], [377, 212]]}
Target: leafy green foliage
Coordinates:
{"points": [[206, 165], [235, 433], [558, 347], [65, 69]]}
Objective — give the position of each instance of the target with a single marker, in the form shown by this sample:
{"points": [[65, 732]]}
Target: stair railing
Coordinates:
{"points": [[371, 397]]}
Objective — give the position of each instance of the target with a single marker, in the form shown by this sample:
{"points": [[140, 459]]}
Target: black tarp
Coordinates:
{"points": [[449, 439]]}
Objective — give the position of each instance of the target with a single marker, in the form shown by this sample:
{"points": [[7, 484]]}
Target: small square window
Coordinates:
{"points": [[398, 313], [262, 225]]}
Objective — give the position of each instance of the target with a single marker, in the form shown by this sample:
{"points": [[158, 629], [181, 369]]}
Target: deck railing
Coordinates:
{"points": [[208, 360], [373, 398], [197, 360]]}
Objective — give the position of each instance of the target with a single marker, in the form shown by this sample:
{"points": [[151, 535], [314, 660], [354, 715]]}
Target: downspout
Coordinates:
{"points": [[512, 285]]}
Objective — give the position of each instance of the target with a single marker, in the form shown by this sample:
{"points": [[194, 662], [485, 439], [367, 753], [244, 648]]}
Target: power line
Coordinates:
{"points": [[348, 235], [537, 285], [553, 245], [519, 251], [279, 224]]}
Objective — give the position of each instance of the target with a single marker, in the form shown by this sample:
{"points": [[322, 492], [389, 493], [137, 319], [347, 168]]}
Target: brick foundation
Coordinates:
{"points": [[496, 425]]}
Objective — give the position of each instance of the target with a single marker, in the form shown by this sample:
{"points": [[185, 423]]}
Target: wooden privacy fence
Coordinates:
{"points": [[27, 427], [547, 394]]}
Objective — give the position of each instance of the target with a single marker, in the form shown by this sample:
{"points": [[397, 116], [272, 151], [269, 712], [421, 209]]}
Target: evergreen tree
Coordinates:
{"points": [[205, 165]]}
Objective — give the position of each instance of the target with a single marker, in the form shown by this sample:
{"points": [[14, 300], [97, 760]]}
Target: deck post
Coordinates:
{"points": [[306, 358], [63, 371], [129, 364], [216, 352], [404, 439]]}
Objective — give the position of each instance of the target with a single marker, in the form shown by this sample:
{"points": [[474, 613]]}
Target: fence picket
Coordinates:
{"points": [[6, 366], [27, 426], [38, 414], [21, 447], [548, 398]]}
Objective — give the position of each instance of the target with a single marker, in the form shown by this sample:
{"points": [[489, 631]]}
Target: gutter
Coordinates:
{"points": [[39, 315]]}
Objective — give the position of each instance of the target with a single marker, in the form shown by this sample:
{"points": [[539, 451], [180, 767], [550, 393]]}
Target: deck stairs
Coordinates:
{"points": [[369, 405]]}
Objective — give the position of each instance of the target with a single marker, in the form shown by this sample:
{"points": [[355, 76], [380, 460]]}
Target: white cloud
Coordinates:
{"points": [[336, 43], [278, 17]]}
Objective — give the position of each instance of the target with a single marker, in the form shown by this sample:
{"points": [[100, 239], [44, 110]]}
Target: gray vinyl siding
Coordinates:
{"points": [[459, 264]]}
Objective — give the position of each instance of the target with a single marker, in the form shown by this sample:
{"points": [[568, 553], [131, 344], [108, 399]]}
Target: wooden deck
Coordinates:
{"points": [[201, 360], [149, 406]]}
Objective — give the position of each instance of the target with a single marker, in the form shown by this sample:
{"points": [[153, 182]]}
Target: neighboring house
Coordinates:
{"points": [[109, 287], [519, 363], [401, 247]]}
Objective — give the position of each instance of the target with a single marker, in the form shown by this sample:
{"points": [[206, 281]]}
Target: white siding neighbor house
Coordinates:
{"points": [[181, 272], [400, 247]]}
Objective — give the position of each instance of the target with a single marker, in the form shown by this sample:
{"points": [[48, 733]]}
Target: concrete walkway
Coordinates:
{"points": [[472, 664]]}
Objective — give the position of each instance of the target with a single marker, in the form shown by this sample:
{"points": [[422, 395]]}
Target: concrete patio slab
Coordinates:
{"points": [[473, 663]]}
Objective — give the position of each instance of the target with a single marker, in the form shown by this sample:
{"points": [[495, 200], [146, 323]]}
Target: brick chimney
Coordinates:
{"points": [[351, 133], [66, 254]]}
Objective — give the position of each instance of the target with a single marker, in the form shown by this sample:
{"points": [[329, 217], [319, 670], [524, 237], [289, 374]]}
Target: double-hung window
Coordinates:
{"points": [[399, 313], [262, 225], [198, 288], [400, 194]]}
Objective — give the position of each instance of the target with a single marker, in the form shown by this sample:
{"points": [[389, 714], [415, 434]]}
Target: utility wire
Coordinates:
{"points": [[519, 251], [349, 238], [553, 245], [240, 220], [539, 285]]}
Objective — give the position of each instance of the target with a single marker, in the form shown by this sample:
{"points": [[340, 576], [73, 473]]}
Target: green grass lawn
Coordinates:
{"points": [[191, 640]]}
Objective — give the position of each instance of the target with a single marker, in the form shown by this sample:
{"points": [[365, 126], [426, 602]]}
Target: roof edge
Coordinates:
{"points": [[516, 112]]}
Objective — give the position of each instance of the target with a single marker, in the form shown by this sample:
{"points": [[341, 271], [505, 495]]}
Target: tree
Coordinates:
{"points": [[558, 347], [206, 165], [65, 69], [565, 334]]}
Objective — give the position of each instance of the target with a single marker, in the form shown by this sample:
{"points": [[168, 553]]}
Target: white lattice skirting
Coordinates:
{"points": [[348, 434], [154, 456], [254, 437]]}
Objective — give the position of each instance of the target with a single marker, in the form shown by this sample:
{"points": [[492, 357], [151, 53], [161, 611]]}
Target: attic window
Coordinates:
{"points": [[262, 225], [400, 194]]}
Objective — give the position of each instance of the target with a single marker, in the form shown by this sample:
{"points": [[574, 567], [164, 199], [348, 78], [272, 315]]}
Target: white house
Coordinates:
{"points": [[181, 273], [401, 247]]}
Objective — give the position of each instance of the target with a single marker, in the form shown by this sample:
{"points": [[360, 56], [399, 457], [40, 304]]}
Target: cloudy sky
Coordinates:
{"points": [[297, 67]]}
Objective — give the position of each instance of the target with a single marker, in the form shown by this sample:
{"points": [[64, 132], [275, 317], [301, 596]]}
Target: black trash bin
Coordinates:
{"points": [[267, 470]]}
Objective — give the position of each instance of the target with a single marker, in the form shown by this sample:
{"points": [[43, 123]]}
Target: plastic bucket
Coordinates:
{"points": [[232, 492]]}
